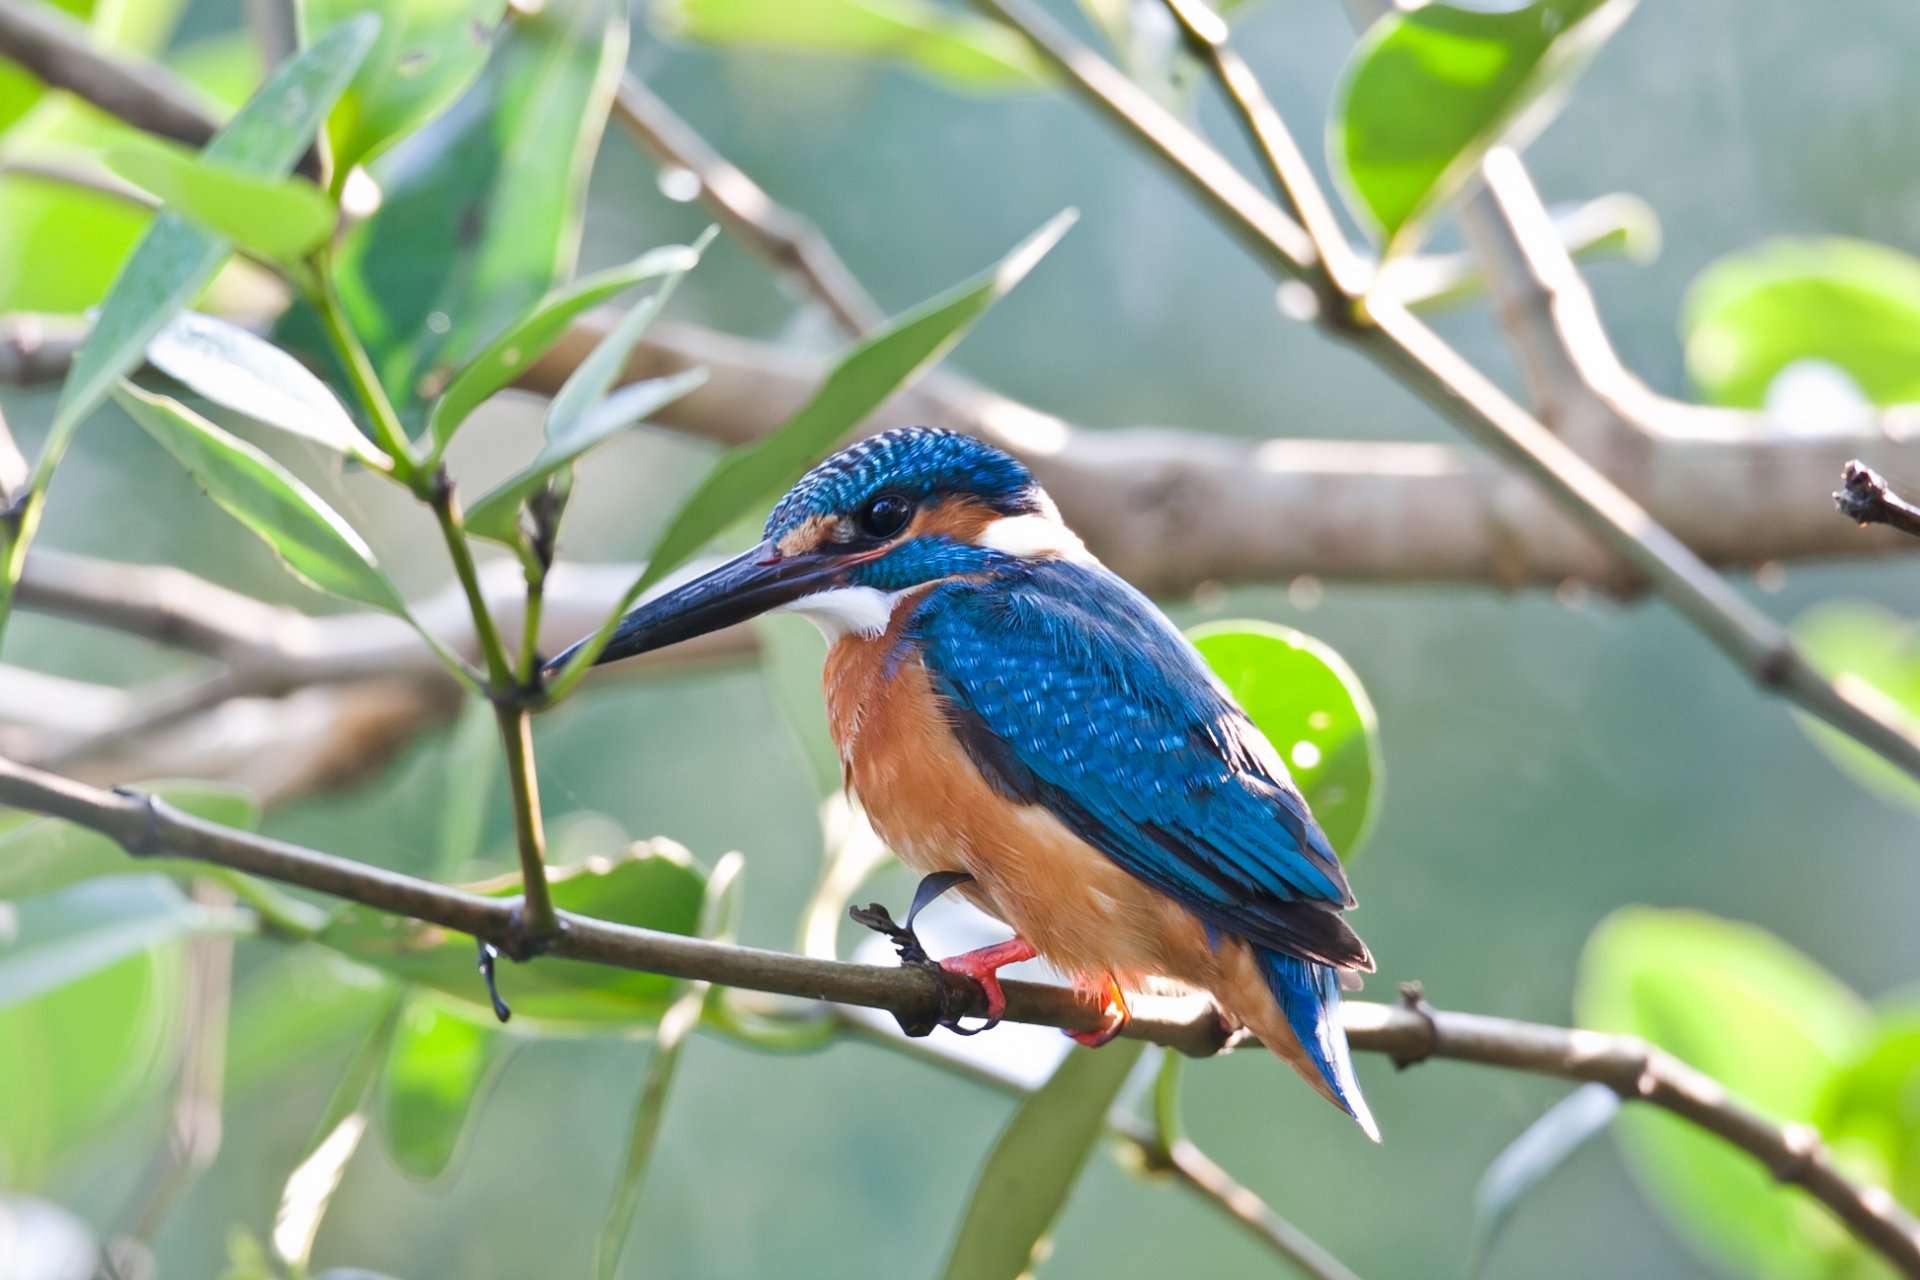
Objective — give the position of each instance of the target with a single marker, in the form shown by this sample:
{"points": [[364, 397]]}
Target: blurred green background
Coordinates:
{"points": [[1547, 759]]}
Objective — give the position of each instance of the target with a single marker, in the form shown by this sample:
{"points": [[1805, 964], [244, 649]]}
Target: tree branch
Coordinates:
{"points": [[1406, 348], [56, 50], [1866, 498], [145, 825]]}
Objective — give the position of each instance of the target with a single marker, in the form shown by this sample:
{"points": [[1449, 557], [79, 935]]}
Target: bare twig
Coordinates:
{"points": [[773, 232], [56, 50], [1794, 1154], [1865, 498], [35, 350], [1405, 347]]}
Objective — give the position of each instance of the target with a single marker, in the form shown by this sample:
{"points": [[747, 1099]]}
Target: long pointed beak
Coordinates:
{"points": [[752, 583]]}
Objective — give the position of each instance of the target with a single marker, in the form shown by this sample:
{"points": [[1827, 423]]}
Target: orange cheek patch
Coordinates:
{"points": [[810, 534], [961, 519]]}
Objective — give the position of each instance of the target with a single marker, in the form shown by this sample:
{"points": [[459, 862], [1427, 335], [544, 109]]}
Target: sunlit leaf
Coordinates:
{"points": [[655, 886], [1431, 89], [1877, 655], [1036, 1161], [1308, 702], [428, 52], [234, 368], [1761, 1019], [496, 515], [749, 477], [524, 342], [1531, 1158], [482, 208], [1870, 1112], [175, 258], [1849, 303], [282, 218], [968, 51], [436, 1071], [311, 540], [71, 935]]}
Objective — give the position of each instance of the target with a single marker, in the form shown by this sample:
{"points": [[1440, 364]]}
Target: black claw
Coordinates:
{"points": [[913, 955], [488, 954]]}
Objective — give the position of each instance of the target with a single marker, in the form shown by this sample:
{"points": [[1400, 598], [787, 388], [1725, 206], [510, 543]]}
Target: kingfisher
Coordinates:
{"points": [[1023, 725]]}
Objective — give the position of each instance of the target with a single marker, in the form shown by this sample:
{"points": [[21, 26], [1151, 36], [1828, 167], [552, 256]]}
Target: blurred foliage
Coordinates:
{"points": [[462, 134]]}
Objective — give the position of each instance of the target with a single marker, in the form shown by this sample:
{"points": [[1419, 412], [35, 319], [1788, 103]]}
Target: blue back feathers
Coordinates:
{"points": [[914, 462]]}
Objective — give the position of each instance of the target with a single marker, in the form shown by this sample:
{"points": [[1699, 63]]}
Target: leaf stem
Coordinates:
{"points": [[325, 300], [537, 919]]}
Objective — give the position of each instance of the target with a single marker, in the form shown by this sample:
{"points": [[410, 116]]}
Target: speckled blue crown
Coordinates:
{"points": [[912, 462]]}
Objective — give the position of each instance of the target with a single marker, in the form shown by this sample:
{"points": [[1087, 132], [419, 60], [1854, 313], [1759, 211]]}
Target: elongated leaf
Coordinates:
{"points": [[46, 854], [1533, 1156], [971, 52], [1758, 1017], [514, 351], [438, 1068], [859, 382], [1878, 653], [251, 376], [497, 514], [428, 53], [1310, 704], [91, 927], [1430, 90], [279, 218], [655, 886], [482, 208], [1035, 1163], [314, 543], [175, 258], [1847, 302]]}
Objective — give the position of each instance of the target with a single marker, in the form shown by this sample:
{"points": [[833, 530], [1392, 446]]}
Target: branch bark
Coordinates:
{"points": [[1794, 1154], [1866, 498]]}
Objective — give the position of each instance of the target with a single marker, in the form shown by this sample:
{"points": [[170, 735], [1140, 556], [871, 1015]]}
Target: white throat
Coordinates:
{"points": [[844, 611]]}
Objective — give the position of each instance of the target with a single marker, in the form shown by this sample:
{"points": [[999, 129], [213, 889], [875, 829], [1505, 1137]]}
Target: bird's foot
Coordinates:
{"points": [[904, 939], [983, 967], [1118, 1015], [520, 945]]}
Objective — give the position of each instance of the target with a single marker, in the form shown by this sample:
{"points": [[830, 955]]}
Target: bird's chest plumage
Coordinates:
{"points": [[932, 805]]}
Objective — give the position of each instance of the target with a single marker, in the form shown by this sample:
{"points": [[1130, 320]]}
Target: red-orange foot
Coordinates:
{"points": [[1118, 1015], [983, 967]]}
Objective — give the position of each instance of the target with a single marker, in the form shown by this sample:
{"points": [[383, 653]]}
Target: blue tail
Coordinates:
{"points": [[1309, 994]]}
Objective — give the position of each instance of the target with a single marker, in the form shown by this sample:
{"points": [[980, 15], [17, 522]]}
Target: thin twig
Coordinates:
{"points": [[1865, 498], [35, 350], [56, 50], [781, 237], [1794, 1154], [1404, 346]]}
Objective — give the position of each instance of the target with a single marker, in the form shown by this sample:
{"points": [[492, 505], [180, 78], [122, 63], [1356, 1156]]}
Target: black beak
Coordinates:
{"points": [[752, 583]]}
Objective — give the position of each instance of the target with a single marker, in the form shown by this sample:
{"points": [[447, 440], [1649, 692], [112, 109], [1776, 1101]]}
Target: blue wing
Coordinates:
{"points": [[1071, 690]]}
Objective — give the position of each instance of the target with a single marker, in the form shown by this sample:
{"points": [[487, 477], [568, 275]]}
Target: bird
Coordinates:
{"points": [[1022, 724]]}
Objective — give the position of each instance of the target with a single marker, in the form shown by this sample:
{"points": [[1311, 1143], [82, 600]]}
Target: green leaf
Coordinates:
{"points": [[1035, 1163], [524, 342], [482, 211], [654, 886], [1310, 705], [870, 371], [175, 258], [791, 651], [428, 53], [1848, 302], [279, 218], [1429, 91], [313, 542], [1531, 1158], [970, 52], [472, 767], [1877, 655], [1761, 1019], [497, 514], [67, 936], [81, 1054], [437, 1068], [1870, 1112], [46, 854], [251, 376]]}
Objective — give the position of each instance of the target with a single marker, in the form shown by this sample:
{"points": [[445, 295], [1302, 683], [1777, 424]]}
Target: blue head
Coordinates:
{"points": [[894, 512]]}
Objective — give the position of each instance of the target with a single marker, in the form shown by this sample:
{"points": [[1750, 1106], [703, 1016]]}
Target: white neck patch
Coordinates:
{"points": [[844, 611], [1033, 536]]}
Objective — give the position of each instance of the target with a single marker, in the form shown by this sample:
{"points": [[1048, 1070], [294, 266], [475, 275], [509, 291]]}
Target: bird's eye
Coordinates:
{"points": [[885, 516]]}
